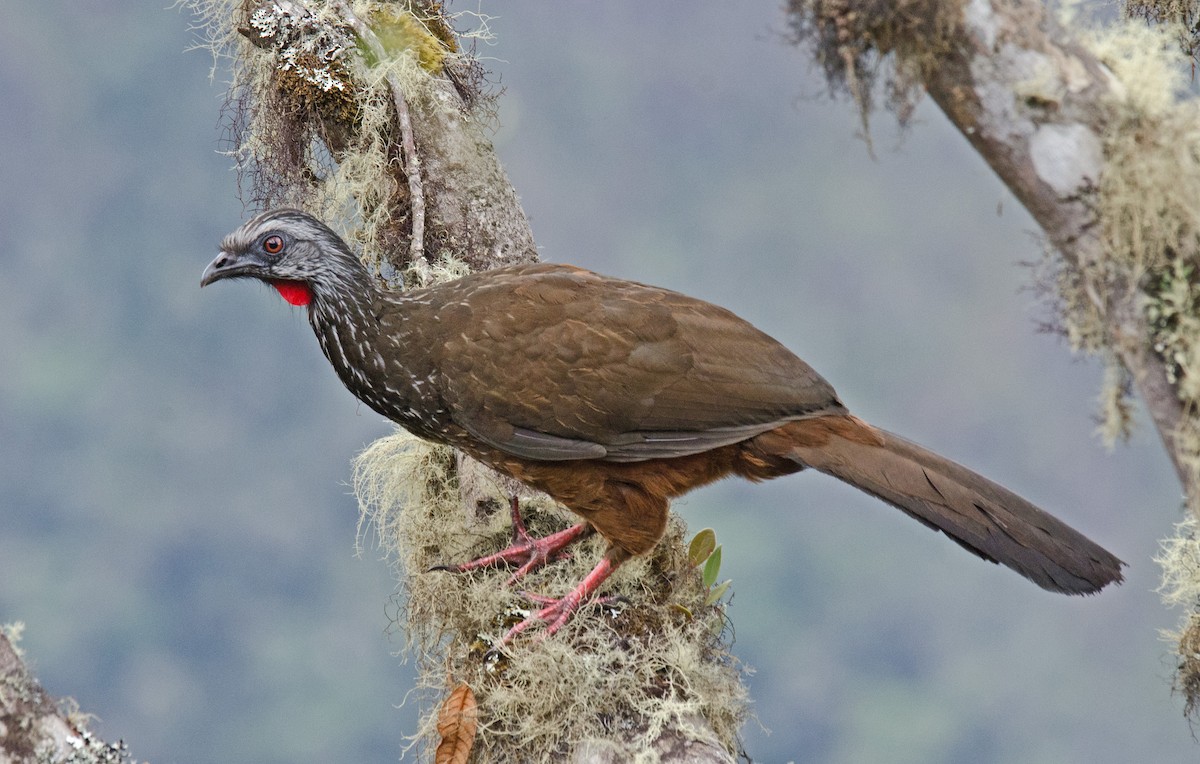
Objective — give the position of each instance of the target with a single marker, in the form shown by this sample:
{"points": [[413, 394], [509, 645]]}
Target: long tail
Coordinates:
{"points": [[983, 517]]}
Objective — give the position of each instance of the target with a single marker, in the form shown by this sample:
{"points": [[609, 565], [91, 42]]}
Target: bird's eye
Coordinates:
{"points": [[273, 245]]}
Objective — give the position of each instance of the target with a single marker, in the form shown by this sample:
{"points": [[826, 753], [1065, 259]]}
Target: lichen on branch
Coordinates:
{"points": [[857, 44], [351, 111], [622, 675], [1093, 127]]}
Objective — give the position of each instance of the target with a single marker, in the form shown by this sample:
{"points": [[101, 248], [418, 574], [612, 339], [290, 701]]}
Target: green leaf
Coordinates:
{"points": [[702, 546], [712, 568], [718, 592]]}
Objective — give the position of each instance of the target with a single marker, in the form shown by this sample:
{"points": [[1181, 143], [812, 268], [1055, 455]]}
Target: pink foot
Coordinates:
{"points": [[558, 611], [527, 552]]}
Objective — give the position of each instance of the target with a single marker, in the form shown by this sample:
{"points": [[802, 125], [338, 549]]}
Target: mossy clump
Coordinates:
{"points": [[1143, 293], [1180, 561], [1149, 222], [650, 659], [1173, 309], [858, 43], [1150, 229], [312, 111], [1187, 668], [1182, 17]]}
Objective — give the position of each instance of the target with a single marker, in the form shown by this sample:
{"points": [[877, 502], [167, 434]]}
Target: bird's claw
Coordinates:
{"points": [[527, 552], [556, 612], [554, 615]]}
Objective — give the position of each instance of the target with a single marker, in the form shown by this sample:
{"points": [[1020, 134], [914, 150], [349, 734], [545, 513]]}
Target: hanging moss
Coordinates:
{"points": [[1151, 233], [860, 43], [1180, 561], [1180, 16]]}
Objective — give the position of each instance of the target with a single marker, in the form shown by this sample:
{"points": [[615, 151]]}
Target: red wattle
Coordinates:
{"points": [[295, 292]]}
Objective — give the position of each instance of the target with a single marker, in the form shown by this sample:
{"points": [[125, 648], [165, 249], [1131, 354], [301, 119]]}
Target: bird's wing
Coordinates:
{"points": [[551, 362]]}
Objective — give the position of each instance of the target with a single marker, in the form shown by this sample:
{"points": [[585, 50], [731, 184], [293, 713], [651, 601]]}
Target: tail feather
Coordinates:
{"points": [[982, 516]]}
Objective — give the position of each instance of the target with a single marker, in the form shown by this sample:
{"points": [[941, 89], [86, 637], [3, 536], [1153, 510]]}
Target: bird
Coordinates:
{"points": [[615, 397]]}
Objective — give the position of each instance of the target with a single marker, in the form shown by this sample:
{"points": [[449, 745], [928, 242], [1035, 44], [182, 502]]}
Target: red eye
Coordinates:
{"points": [[273, 245]]}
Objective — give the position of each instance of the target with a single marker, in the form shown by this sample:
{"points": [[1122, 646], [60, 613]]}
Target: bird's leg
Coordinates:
{"points": [[528, 552], [558, 612]]}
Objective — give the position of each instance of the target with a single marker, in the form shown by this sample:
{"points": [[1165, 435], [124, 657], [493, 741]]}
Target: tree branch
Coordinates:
{"points": [[327, 124], [1036, 104], [1031, 100], [1109, 167]]}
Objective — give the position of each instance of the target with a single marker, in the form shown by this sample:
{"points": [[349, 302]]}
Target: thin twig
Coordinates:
{"points": [[412, 168], [408, 144]]}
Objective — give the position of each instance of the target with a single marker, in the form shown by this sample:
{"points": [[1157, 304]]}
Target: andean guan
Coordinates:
{"points": [[614, 397]]}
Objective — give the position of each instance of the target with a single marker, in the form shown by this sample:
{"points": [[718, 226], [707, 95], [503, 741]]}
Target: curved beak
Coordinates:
{"points": [[229, 265]]}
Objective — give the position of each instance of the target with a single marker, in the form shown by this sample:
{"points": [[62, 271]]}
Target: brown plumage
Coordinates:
{"points": [[614, 397]]}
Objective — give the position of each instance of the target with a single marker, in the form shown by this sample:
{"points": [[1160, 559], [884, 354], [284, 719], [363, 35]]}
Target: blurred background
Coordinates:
{"points": [[176, 529]]}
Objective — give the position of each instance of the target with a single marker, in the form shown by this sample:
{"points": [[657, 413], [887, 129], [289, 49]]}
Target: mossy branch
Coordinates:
{"points": [[1089, 130], [370, 115]]}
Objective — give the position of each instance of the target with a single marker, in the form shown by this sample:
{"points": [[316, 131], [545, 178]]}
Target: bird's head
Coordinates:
{"points": [[288, 249]]}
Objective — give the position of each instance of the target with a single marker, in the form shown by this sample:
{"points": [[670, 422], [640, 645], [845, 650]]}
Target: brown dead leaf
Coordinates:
{"points": [[457, 722]]}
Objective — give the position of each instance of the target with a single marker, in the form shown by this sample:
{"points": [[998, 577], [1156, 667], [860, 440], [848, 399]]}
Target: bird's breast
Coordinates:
{"points": [[383, 371]]}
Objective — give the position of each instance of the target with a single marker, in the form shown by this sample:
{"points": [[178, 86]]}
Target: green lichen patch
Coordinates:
{"points": [[403, 33]]}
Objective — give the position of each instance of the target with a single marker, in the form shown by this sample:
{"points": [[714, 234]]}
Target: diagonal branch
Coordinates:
{"points": [[1047, 147], [1107, 161], [1037, 105]]}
